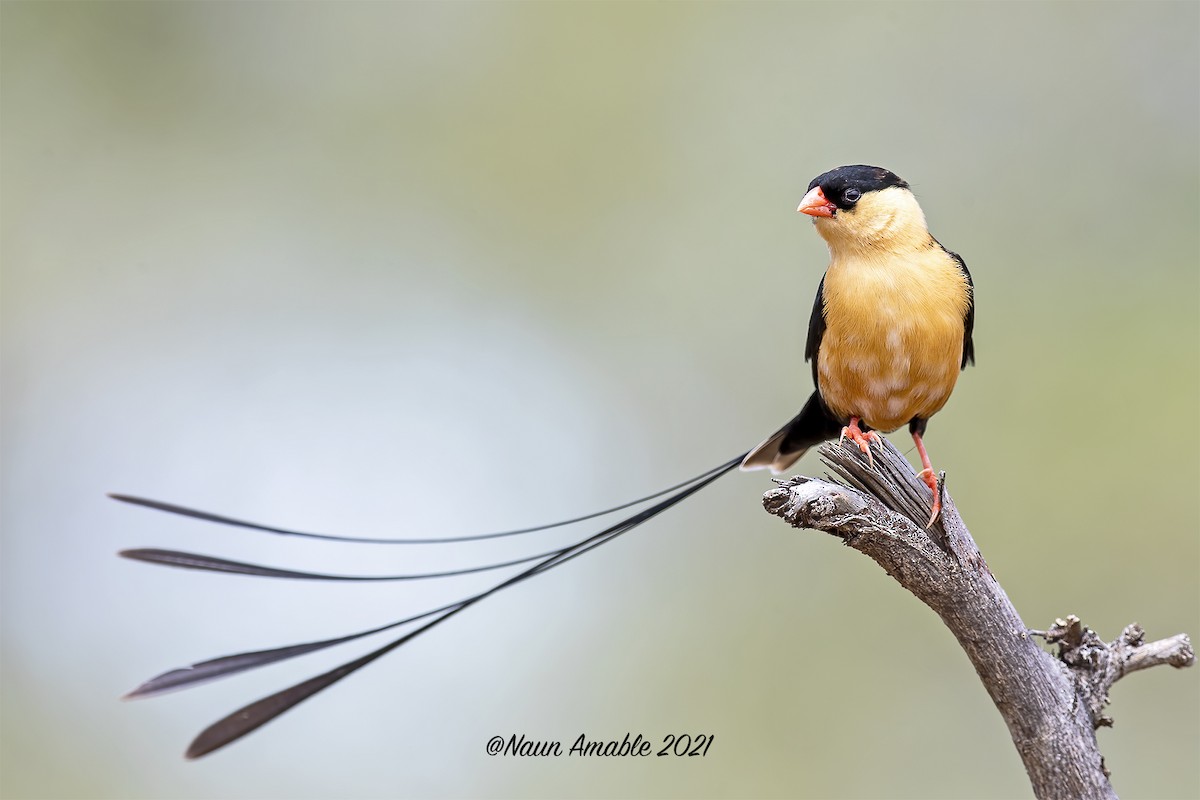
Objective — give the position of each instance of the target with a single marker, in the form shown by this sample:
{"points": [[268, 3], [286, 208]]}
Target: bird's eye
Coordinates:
{"points": [[851, 195]]}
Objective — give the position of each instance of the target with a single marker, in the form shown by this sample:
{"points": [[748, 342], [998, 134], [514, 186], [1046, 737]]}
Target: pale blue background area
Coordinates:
{"points": [[415, 268]]}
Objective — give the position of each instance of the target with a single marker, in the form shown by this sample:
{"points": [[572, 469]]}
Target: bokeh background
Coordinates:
{"points": [[430, 269]]}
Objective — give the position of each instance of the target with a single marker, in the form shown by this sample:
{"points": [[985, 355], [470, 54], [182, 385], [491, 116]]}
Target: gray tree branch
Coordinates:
{"points": [[1051, 704]]}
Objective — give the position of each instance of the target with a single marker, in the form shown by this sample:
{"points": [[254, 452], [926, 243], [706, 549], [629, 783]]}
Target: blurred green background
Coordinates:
{"points": [[441, 268]]}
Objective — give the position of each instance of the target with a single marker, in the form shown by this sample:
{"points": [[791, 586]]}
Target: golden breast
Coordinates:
{"points": [[893, 342]]}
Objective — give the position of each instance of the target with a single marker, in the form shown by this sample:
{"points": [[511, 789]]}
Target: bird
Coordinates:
{"points": [[890, 330], [891, 327]]}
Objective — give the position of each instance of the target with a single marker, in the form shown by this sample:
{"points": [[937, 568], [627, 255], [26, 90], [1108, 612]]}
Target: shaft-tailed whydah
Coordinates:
{"points": [[889, 332]]}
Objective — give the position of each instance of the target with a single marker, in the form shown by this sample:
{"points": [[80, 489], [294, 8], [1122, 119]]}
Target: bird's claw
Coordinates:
{"points": [[861, 438]]}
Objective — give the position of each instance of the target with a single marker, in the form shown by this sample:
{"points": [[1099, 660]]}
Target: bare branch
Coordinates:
{"points": [[1096, 665], [1176, 651], [1051, 705]]}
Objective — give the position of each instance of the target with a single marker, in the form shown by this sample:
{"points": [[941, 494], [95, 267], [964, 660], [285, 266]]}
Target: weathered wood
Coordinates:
{"points": [[1052, 705]]}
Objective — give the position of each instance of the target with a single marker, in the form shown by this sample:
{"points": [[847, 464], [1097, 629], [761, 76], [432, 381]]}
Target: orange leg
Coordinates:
{"points": [[860, 438], [929, 477]]}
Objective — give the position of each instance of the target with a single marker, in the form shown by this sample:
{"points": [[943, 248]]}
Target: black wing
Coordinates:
{"points": [[968, 352], [816, 329], [968, 356]]}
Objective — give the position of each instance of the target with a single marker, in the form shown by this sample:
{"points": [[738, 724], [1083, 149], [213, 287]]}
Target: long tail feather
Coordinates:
{"points": [[178, 558], [251, 717], [215, 668], [208, 516]]}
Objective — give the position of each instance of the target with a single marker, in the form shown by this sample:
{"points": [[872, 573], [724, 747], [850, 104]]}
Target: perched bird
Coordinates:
{"points": [[891, 326], [890, 330]]}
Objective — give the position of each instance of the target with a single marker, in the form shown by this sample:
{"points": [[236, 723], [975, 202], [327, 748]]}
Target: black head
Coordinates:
{"points": [[845, 185]]}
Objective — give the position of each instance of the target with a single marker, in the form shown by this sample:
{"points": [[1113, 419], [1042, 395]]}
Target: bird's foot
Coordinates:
{"points": [[861, 438], [931, 481], [929, 477]]}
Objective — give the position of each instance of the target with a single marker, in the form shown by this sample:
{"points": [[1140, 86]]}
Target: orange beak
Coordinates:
{"points": [[815, 205]]}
